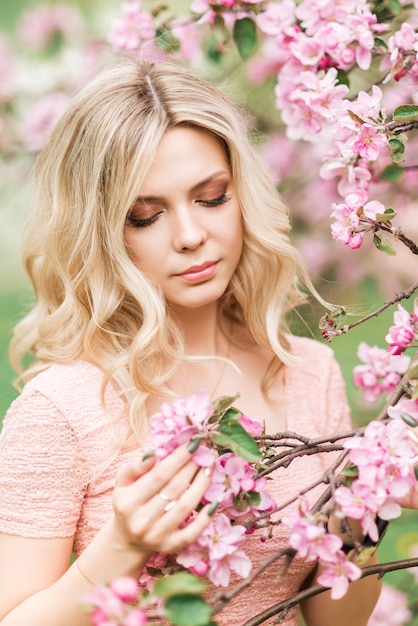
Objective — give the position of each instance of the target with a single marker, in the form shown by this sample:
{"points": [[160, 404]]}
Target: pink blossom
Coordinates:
{"points": [[307, 100], [369, 142], [308, 535], [136, 618], [108, 606], [385, 459], [132, 28], [338, 574], [231, 475], [354, 501], [405, 329], [276, 18], [125, 587], [346, 227], [253, 427], [381, 371], [219, 546], [391, 608], [178, 421], [405, 405], [307, 50], [367, 106]]}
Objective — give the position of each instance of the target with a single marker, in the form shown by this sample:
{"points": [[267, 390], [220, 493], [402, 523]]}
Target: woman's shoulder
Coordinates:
{"points": [[60, 376], [72, 389]]}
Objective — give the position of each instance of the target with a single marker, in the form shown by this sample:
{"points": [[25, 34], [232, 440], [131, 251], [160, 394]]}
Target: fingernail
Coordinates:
{"points": [[148, 455], [212, 508], [208, 471], [193, 445]]}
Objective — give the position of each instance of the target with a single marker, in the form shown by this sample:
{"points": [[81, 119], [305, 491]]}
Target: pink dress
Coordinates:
{"points": [[55, 481]]}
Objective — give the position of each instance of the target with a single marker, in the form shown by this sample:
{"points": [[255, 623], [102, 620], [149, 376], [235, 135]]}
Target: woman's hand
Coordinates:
{"points": [[152, 500]]}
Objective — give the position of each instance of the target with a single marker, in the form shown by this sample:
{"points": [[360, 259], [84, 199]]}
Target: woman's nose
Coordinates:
{"points": [[189, 231]]}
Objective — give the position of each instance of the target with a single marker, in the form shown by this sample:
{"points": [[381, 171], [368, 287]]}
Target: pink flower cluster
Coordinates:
{"points": [[234, 486], [381, 371], [311, 40], [402, 57], [113, 605], [310, 539], [404, 331], [132, 28], [385, 457], [354, 217]]}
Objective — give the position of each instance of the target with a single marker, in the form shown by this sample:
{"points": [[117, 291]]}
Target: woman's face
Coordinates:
{"points": [[184, 230]]}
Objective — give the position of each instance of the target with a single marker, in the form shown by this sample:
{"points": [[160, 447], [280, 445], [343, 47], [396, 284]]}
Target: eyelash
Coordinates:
{"points": [[216, 201], [141, 223], [149, 220]]}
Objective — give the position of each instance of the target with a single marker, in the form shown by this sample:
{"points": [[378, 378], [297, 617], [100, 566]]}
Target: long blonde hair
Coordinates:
{"points": [[92, 301]]}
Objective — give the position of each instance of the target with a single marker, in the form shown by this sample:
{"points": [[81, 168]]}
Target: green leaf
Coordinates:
{"points": [[223, 402], [187, 610], [343, 78], [383, 244], [408, 419], [253, 497], [385, 217], [395, 6], [213, 49], [350, 472], [405, 112], [167, 41], [234, 437], [231, 414], [397, 150], [239, 504], [220, 405], [245, 36], [179, 583], [392, 173], [239, 440], [380, 45]]}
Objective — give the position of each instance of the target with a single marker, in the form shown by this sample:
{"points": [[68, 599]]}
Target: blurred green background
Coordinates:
{"points": [[16, 295]]}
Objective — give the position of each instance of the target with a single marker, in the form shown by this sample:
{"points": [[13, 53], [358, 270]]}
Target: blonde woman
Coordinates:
{"points": [[160, 256]]}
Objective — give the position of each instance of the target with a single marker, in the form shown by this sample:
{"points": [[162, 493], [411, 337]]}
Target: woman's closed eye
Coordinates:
{"points": [[215, 201], [143, 222]]}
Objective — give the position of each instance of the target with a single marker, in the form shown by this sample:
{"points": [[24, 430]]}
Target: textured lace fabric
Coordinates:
{"points": [[59, 458]]}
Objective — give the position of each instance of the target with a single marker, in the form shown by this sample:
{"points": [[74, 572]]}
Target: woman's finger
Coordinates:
{"points": [[178, 510], [162, 474], [131, 472]]}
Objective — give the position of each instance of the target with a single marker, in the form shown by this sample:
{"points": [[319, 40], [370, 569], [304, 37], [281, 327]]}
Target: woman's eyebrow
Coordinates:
{"points": [[195, 187]]}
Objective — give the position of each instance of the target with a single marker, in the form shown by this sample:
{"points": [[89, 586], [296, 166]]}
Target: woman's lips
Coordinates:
{"points": [[199, 273]]}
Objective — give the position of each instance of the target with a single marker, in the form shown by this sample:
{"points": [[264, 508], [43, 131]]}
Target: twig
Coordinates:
{"points": [[403, 295]]}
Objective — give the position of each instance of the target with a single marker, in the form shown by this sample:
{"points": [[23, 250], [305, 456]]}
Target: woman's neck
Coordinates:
{"points": [[202, 330]]}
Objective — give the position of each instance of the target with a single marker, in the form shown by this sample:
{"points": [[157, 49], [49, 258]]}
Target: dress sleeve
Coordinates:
{"points": [[42, 480]]}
